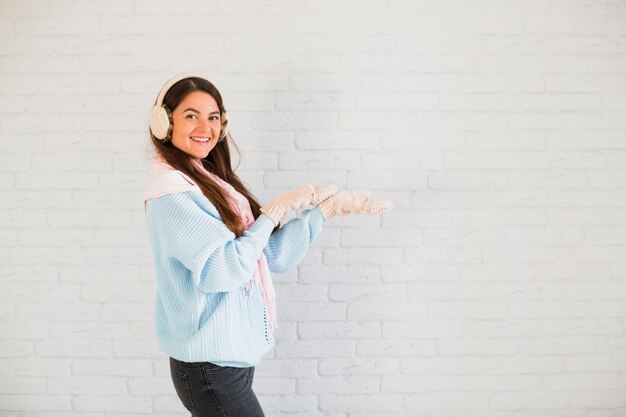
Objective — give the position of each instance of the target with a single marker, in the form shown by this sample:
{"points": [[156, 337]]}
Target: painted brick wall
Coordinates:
{"points": [[497, 288]]}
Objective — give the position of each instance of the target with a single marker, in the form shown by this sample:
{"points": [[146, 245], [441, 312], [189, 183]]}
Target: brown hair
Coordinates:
{"points": [[216, 162]]}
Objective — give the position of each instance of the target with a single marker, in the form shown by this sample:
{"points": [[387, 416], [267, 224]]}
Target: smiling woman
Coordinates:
{"points": [[214, 247], [196, 129]]}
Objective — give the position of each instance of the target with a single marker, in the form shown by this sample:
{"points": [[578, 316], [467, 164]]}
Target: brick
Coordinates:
{"points": [[607, 198], [112, 403], [311, 311], [606, 308], [520, 254], [503, 328], [366, 292], [55, 181], [464, 120], [77, 274], [279, 181], [137, 349], [546, 309], [386, 180], [548, 235], [452, 199], [464, 236], [315, 349], [595, 364], [106, 367], [338, 385], [524, 401], [330, 140], [412, 384], [280, 367], [71, 7], [567, 160], [586, 140], [587, 216], [359, 366], [33, 293], [119, 311], [338, 273], [375, 237], [535, 180], [592, 398], [501, 383], [443, 255], [339, 330], [426, 291], [406, 217], [406, 160], [362, 256], [118, 293], [71, 348], [586, 327], [289, 404], [527, 364], [607, 179], [361, 120], [352, 403], [103, 385], [566, 346], [150, 385], [60, 311], [438, 366], [23, 385], [467, 310], [467, 180], [436, 329], [316, 160], [433, 140], [55, 238], [46, 403], [485, 159], [441, 401]]}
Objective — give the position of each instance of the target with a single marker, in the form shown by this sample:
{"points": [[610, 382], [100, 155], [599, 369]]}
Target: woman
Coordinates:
{"points": [[214, 247]]}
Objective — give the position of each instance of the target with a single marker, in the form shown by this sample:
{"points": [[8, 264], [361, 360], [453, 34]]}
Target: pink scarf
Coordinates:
{"points": [[164, 179]]}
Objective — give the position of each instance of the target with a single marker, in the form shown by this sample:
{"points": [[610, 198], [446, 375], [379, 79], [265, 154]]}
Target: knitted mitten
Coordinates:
{"points": [[282, 204], [353, 202], [322, 192]]}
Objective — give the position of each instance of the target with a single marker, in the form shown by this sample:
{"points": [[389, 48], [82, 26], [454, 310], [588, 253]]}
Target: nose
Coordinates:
{"points": [[205, 125]]}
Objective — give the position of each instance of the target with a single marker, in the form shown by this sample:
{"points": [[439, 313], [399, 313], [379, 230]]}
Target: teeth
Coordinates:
{"points": [[199, 139]]}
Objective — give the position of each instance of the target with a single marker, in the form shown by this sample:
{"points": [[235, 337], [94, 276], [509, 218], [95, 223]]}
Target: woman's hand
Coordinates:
{"points": [[282, 204], [353, 202]]}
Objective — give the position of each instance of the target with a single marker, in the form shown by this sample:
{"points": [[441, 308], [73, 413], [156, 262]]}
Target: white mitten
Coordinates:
{"points": [[282, 204], [353, 202]]}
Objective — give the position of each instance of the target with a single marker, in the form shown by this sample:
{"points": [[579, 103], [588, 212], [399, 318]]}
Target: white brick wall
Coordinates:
{"points": [[497, 288]]}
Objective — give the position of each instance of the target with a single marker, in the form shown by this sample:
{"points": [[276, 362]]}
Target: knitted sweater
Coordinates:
{"points": [[207, 307]]}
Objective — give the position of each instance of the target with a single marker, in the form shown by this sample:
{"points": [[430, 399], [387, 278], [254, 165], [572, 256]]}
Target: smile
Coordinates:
{"points": [[199, 139]]}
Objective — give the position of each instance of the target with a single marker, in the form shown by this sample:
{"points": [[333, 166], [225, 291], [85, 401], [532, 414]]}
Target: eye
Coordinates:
{"points": [[190, 115], [214, 118]]}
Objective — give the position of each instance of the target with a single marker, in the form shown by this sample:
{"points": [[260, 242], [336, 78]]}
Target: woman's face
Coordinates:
{"points": [[196, 124]]}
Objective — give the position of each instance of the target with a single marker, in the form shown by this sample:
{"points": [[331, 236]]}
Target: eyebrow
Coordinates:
{"points": [[196, 111]]}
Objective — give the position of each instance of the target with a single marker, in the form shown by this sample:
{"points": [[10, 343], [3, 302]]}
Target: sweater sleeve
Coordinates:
{"points": [[288, 246], [187, 227]]}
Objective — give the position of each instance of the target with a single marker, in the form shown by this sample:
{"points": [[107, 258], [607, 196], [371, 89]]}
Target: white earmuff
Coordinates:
{"points": [[159, 120]]}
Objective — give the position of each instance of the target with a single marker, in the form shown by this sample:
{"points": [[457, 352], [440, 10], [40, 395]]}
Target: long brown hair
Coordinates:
{"points": [[217, 161]]}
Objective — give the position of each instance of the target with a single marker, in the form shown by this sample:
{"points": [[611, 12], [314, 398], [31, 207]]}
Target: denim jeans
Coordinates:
{"points": [[209, 390]]}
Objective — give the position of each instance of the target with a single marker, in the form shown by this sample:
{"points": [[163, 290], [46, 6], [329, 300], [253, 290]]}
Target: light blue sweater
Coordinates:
{"points": [[204, 313]]}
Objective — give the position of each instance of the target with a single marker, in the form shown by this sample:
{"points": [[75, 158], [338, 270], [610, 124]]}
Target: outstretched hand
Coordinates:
{"points": [[353, 202], [282, 204]]}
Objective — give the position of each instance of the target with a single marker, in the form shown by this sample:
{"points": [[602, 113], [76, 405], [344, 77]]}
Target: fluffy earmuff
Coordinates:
{"points": [[160, 119]]}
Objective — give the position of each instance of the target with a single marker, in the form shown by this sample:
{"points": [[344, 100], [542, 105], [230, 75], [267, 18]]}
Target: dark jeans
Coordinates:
{"points": [[209, 390]]}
